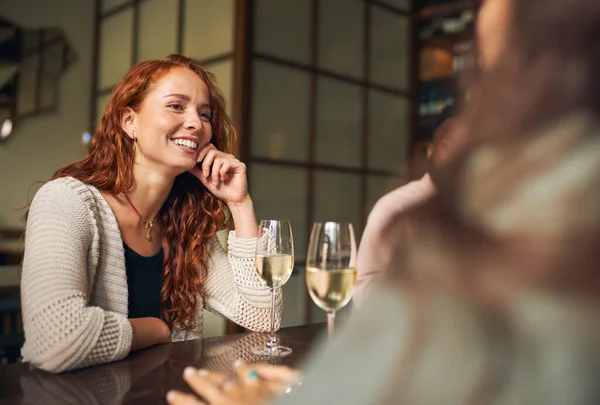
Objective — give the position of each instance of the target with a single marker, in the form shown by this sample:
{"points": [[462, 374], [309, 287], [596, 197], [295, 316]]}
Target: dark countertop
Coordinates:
{"points": [[145, 376]]}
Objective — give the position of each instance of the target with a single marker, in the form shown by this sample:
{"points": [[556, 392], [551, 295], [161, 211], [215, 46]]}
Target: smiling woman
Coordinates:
{"points": [[177, 111], [121, 250]]}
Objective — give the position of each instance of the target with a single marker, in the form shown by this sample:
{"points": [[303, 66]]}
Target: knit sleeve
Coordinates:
{"points": [[62, 330], [233, 289]]}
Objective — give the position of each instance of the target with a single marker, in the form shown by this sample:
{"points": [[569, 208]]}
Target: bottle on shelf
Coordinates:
{"points": [[446, 25]]}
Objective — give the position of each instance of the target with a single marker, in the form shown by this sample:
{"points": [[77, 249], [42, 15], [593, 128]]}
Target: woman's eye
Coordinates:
{"points": [[175, 106], [205, 116]]}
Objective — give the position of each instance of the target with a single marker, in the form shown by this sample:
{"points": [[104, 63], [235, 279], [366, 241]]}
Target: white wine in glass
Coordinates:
{"points": [[275, 270], [274, 263], [331, 267], [331, 290]]}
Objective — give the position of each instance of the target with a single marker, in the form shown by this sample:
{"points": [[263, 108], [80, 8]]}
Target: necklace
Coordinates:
{"points": [[147, 224]]}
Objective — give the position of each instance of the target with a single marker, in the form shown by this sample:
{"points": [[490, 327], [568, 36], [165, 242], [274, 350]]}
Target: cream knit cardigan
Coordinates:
{"points": [[74, 286]]}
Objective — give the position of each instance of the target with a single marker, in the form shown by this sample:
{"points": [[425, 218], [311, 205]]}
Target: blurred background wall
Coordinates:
{"points": [[330, 97], [41, 144]]}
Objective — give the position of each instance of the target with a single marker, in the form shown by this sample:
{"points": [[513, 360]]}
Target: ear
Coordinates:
{"points": [[128, 122], [430, 150]]}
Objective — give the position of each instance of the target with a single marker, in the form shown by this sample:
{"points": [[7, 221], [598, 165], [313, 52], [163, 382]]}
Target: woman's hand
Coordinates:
{"points": [[222, 174], [255, 384], [225, 177]]}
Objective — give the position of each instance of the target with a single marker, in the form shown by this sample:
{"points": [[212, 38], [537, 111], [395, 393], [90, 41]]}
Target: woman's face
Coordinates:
{"points": [[173, 122], [493, 23]]}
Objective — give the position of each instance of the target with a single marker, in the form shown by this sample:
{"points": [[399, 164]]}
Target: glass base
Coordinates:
{"points": [[277, 351]]}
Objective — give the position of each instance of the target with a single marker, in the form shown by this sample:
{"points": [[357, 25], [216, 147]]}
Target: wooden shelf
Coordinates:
{"points": [[444, 82], [451, 77], [458, 5], [424, 127], [429, 120], [448, 41]]}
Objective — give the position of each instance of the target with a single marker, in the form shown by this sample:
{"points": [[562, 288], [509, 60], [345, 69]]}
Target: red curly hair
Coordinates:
{"points": [[191, 215]]}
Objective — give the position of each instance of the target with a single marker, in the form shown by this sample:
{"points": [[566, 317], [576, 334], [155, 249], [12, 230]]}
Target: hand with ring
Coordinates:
{"points": [[255, 384]]}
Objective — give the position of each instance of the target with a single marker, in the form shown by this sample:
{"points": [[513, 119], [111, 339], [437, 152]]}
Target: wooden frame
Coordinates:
{"points": [[250, 54]]}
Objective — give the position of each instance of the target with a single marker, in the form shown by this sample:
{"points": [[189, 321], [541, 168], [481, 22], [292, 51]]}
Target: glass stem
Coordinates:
{"points": [[273, 343], [330, 323]]}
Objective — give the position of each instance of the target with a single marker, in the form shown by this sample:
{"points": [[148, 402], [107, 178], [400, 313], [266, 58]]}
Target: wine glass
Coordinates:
{"points": [[331, 267], [274, 264]]}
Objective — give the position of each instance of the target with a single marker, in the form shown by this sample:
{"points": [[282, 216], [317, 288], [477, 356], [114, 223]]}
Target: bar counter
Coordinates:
{"points": [[147, 375]]}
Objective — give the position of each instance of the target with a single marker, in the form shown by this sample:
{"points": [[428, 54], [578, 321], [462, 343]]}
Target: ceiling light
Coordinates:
{"points": [[6, 129]]}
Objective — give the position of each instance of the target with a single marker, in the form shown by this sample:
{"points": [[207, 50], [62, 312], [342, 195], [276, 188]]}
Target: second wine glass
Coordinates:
{"points": [[274, 264], [331, 267]]}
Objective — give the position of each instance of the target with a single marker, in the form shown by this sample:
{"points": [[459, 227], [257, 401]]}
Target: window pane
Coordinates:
{"points": [[399, 4], [377, 187], [337, 197], [280, 105], [115, 48], [209, 28], [294, 296], [339, 118], [224, 72], [282, 28], [110, 4], [341, 35], [156, 43], [279, 192], [389, 49], [213, 324], [388, 131]]}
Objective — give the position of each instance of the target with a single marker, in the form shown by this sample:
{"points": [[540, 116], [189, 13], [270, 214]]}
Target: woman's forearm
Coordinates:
{"points": [[244, 219], [148, 332]]}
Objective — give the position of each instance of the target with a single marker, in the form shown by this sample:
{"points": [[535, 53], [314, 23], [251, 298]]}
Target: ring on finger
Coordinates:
{"points": [[227, 381], [289, 387]]}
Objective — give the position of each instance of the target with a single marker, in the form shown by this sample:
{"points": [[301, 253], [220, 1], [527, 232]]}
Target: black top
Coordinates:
{"points": [[144, 281]]}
